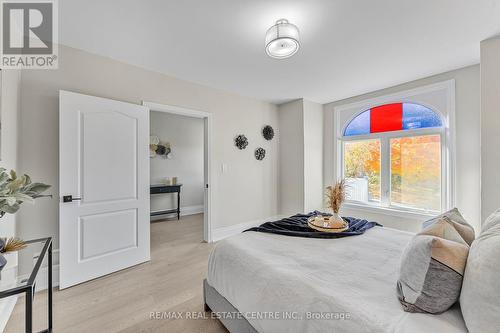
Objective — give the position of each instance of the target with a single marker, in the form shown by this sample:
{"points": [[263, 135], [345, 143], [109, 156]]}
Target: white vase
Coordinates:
{"points": [[337, 217]]}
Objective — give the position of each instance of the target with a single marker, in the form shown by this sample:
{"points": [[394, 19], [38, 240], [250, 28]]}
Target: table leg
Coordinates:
{"points": [[29, 311], [49, 268], [178, 205]]}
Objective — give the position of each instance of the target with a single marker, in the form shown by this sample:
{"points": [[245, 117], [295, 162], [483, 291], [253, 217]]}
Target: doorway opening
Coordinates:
{"points": [[179, 171]]}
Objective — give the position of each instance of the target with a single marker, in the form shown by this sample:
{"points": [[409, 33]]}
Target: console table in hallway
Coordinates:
{"points": [[162, 189]]}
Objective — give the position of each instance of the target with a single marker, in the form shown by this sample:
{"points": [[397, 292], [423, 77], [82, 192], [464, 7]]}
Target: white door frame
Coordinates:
{"points": [[207, 165]]}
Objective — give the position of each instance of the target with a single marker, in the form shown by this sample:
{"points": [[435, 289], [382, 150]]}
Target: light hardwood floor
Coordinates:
{"points": [[123, 301]]}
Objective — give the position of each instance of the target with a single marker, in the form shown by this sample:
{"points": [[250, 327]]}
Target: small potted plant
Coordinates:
{"points": [[13, 192]]}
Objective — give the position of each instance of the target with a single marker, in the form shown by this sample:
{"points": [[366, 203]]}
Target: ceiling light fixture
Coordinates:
{"points": [[282, 40]]}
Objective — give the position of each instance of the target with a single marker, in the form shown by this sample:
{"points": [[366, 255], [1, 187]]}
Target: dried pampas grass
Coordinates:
{"points": [[335, 195], [13, 244]]}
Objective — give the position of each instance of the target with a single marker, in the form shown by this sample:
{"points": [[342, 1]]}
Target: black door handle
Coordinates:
{"points": [[69, 198]]}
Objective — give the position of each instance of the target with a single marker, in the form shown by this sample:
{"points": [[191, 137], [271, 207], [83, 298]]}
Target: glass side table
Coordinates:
{"points": [[37, 249]]}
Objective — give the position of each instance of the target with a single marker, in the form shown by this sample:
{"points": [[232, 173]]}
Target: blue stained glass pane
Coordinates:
{"points": [[359, 125], [419, 116]]}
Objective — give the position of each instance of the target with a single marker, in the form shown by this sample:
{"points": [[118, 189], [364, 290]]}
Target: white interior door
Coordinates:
{"points": [[103, 165], [207, 232]]}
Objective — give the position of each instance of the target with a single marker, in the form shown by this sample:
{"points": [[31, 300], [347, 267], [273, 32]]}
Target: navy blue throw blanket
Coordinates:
{"points": [[297, 226]]}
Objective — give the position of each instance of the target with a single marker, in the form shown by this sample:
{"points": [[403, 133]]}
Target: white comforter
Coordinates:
{"points": [[267, 275]]}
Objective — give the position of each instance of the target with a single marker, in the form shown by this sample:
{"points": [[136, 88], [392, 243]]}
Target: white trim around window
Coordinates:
{"points": [[439, 97]]}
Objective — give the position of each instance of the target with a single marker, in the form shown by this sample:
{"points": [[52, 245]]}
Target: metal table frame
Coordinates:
{"points": [[29, 288]]}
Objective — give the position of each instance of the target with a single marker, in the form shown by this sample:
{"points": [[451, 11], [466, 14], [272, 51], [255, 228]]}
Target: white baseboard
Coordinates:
{"points": [[42, 277], [41, 281], [185, 211], [6, 308], [224, 232], [191, 210]]}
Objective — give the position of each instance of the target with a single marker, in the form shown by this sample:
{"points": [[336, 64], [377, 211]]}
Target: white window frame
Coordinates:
{"points": [[444, 92]]}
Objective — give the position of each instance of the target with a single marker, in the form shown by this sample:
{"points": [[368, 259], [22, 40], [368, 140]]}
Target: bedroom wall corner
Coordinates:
{"points": [[490, 123], [291, 157], [313, 156], [301, 157]]}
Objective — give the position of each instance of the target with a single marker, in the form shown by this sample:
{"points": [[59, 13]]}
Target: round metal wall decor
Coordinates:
{"points": [[241, 141], [268, 132], [260, 153]]}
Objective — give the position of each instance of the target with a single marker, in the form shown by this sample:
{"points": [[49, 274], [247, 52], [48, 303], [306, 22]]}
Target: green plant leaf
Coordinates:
{"points": [[11, 201], [10, 209], [15, 185], [16, 190], [24, 197], [3, 177], [23, 180], [37, 187]]}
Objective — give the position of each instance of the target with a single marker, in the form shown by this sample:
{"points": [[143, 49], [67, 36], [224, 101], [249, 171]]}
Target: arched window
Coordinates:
{"points": [[392, 156], [393, 117]]}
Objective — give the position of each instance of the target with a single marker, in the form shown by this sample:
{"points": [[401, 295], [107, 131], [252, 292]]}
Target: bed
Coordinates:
{"points": [[279, 283]]}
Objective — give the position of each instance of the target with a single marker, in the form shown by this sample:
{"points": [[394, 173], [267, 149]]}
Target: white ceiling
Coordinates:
{"points": [[349, 47]]}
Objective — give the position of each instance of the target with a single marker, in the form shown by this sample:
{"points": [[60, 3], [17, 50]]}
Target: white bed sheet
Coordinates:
{"points": [[272, 275]]}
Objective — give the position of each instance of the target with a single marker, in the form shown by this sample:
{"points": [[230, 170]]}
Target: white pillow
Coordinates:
{"points": [[480, 297], [491, 221]]}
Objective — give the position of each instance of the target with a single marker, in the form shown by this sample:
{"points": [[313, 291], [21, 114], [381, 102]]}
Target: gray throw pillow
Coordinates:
{"points": [[480, 297], [431, 274], [433, 264]]}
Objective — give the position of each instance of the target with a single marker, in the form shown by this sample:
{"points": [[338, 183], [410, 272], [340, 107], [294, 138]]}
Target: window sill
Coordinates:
{"points": [[389, 211]]}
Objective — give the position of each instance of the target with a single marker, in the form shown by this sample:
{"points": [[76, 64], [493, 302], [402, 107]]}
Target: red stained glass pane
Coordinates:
{"points": [[386, 118]]}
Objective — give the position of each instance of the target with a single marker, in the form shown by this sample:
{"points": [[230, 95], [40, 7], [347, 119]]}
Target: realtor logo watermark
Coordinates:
{"points": [[29, 36]]}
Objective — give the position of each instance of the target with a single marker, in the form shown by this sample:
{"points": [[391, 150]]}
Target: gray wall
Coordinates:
{"points": [[246, 192], [9, 117], [301, 156], [185, 135], [468, 157], [291, 161], [490, 125], [313, 156]]}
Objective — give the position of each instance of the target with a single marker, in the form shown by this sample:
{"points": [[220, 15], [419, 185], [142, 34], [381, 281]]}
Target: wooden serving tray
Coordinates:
{"points": [[326, 224]]}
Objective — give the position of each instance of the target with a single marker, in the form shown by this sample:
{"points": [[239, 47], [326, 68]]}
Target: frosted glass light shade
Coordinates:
{"points": [[282, 40]]}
